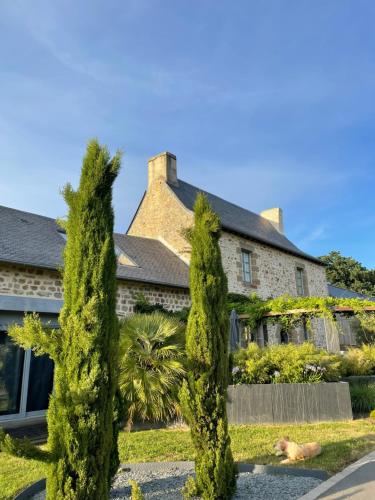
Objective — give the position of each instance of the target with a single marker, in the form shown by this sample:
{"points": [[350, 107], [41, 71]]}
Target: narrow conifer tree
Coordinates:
{"points": [[203, 395], [81, 416]]}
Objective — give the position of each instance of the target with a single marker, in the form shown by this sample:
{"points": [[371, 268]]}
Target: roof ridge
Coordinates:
{"points": [[241, 220], [223, 199], [28, 213]]}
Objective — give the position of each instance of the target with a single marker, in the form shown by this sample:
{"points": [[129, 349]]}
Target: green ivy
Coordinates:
{"points": [[144, 306], [304, 309]]}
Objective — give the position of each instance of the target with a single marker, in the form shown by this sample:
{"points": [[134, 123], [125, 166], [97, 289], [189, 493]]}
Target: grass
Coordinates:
{"points": [[363, 397], [342, 442]]}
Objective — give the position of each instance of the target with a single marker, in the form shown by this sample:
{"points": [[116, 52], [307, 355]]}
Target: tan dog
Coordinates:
{"points": [[296, 451]]}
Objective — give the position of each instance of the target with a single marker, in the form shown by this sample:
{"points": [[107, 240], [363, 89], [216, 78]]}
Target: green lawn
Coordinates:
{"points": [[342, 442]]}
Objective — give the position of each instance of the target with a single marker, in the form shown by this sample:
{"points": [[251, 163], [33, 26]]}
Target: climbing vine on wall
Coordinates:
{"points": [[292, 311]]}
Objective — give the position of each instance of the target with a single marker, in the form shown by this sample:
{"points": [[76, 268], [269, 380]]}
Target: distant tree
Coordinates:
{"points": [[82, 423], [349, 273], [203, 395]]}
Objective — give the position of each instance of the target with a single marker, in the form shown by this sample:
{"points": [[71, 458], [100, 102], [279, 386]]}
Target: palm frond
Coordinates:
{"points": [[151, 365]]}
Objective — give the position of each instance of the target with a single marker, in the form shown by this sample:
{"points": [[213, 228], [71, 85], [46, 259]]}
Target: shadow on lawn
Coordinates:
{"points": [[335, 456], [23, 448]]}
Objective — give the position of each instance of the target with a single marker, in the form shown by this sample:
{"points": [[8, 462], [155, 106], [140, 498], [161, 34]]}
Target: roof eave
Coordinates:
{"points": [[121, 278], [154, 282], [274, 245]]}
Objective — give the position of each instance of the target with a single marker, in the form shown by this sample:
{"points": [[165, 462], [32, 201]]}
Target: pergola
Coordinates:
{"points": [[304, 313]]}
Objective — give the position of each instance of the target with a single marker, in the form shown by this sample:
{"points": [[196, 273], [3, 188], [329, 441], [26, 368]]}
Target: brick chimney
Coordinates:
{"points": [[275, 217], [163, 166]]}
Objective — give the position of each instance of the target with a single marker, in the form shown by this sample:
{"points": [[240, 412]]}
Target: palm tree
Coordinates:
{"points": [[151, 366]]}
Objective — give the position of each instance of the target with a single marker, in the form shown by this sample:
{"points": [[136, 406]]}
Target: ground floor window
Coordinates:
{"points": [[40, 383], [265, 334], [26, 380], [284, 337], [11, 373]]}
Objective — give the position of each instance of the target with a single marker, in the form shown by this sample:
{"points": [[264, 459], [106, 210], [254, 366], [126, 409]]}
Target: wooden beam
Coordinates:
{"points": [[290, 312]]}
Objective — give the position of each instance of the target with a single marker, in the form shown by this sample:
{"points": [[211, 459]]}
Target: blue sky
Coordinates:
{"points": [[265, 103]]}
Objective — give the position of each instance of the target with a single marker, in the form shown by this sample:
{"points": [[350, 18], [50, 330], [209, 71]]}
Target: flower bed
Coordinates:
{"points": [[304, 363], [285, 363]]}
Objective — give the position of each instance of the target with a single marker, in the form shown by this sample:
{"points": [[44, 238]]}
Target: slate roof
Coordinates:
{"points": [[239, 220], [37, 241], [342, 293]]}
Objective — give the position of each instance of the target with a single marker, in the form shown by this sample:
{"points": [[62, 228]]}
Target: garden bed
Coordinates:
{"points": [[164, 481]]}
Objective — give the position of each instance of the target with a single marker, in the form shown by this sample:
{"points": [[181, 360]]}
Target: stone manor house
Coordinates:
{"points": [[153, 259]]}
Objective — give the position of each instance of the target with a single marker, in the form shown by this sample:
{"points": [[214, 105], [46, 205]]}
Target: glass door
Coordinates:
{"points": [[40, 383], [26, 381], [11, 375]]}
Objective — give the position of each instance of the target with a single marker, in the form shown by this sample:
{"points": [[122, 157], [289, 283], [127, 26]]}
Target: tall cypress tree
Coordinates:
{"points": [[81, 416], [203, 395]]}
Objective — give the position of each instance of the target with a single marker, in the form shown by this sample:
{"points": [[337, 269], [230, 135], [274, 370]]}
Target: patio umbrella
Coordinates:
{"points": [[234, 331]]}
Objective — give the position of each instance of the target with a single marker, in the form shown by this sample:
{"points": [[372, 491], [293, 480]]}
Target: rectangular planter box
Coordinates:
{"points": [[288, 403]]}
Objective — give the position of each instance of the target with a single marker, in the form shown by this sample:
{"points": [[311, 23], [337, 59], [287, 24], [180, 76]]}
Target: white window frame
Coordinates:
{"points": [[300, 281], [246, 266]]}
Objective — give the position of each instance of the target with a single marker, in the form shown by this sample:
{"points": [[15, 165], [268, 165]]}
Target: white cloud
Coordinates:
{"points": [[318, 233]]}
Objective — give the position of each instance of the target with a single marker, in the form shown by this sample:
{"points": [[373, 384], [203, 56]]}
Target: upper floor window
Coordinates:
{"points": [[300, 281], [246, 265]]}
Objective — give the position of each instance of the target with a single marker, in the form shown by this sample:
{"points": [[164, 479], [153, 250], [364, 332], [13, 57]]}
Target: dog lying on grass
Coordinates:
{"points": [[294, 451]]}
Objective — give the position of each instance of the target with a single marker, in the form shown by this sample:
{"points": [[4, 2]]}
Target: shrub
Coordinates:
{"points": [[359, 361], [363, 397], [22, 447], [136, 490], [144, 306], [284, 363], [237, 301], [151, 366], [365, 328]]}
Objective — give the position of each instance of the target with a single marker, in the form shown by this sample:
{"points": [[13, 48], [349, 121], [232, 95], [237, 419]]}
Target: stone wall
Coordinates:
{"points": [[323, 333], [273, 271], [38, 283], [29, 282], [173, 299]]}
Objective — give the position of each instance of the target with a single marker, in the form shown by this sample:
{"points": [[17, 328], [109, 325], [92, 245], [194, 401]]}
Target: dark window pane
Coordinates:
{"points": [[40, 383], [284, 337], [11, 370], [265, 334]]}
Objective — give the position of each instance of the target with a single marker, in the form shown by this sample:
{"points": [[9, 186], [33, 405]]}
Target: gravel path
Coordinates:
{"points": [[166, 481]]}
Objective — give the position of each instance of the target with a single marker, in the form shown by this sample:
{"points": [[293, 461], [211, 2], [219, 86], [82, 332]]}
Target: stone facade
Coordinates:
{"points": [[44, 283], [273, 271], [163, 217], [323, 333], [173, 299], [30, 282]]}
